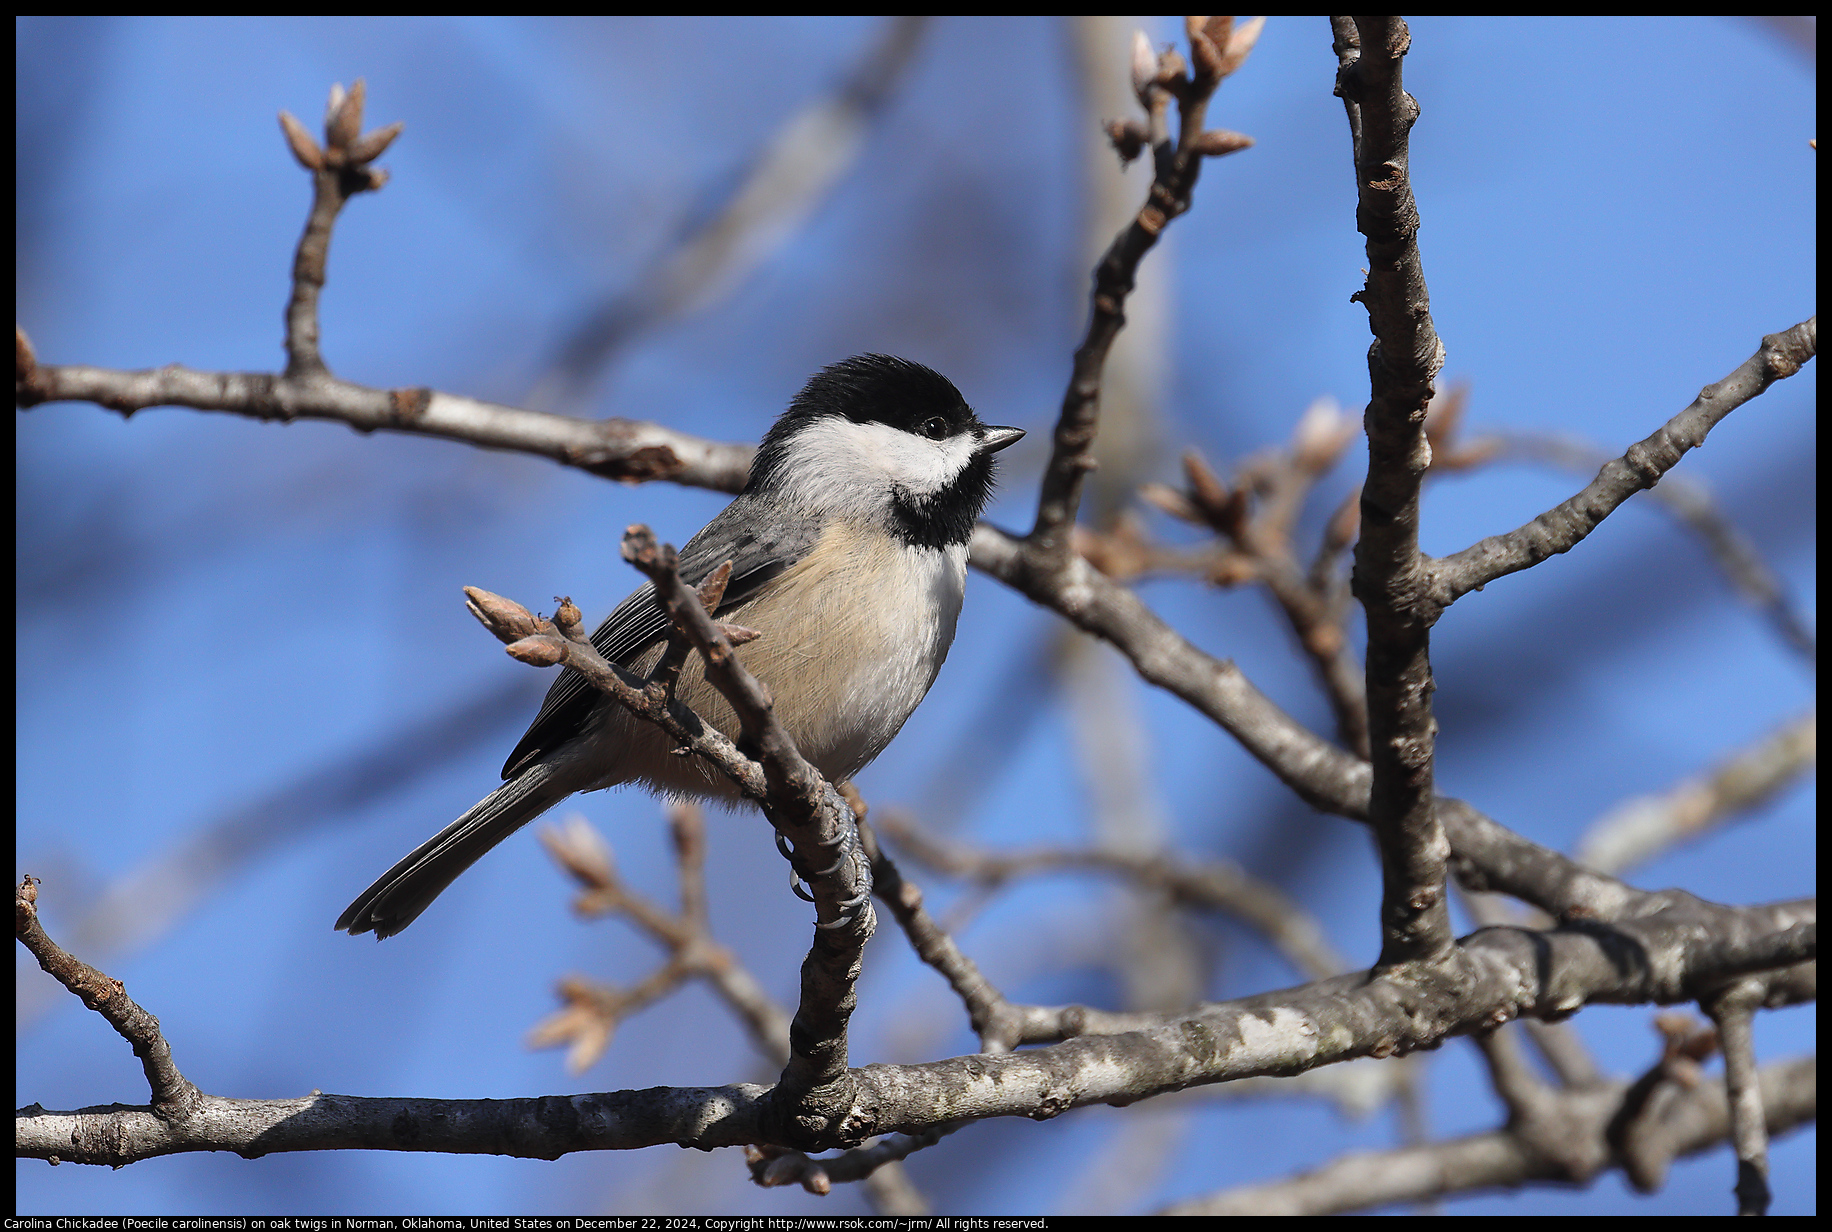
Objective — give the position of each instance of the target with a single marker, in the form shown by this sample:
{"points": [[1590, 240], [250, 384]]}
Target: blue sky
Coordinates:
{"points": [[215, 616]]}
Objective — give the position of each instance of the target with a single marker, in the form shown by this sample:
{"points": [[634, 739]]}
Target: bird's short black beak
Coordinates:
{"points": [[994, 439]]}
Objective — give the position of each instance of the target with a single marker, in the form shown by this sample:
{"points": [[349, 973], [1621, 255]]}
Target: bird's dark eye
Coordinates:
{"points": [[935, 428]]}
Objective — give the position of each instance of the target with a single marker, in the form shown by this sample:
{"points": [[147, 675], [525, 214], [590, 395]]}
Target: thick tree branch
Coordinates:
{"points": [[1491, 976], [1403, 363]]}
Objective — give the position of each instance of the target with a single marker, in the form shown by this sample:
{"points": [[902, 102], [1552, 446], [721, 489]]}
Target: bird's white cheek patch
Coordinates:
{"points": [[838, 464]]}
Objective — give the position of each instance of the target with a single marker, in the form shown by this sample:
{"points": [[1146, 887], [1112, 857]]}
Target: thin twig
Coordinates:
{"points": [[1698, 1121], [173, 1096], [1211, 885], [1638, 829], [1319, 772], [1734, 1012], [816, 1091], [1001, 1024], [773, 1166], [1641, 466], [340, 169], [1176, 167], [1256, 515], [1691, 502], [594, 1010], [622, 449]]}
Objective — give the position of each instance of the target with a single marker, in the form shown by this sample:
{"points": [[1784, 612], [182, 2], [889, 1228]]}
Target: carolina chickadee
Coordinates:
{"points": [[849, 553]]}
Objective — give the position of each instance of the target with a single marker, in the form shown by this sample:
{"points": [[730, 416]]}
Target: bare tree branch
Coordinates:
{"points": [[626, 450], [340, 169], [623, 449], [1638, 829], [1256, 515], [1177, 166], [816, 1088], [1403, 363], [173, 1095], [593, 1010], [1211, 885], [1319, 772], [1698, 1121], [1692, 503], [1564, 526], [1604, 941], [1734, 1012], [1677, 953], [800, 804], [1001, 1024]]}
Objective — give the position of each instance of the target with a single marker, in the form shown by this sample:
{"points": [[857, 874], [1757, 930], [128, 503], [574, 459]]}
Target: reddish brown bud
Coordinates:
{"points": [[343, 119], [712, 590], [1171, 67], [370, 146], [538, 650], [1219, 141], [1170, 501], [1238, 45], [738, 635], [1207, 491], [1207, 35], [506, 618], [300, 142], [541, 650]]}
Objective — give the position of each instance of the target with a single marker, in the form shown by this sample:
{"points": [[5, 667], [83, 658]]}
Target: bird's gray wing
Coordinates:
{"points": [[760, 545]]}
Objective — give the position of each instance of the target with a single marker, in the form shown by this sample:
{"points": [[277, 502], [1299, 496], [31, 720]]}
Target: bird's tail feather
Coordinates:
{"points": [[404, 891]]}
